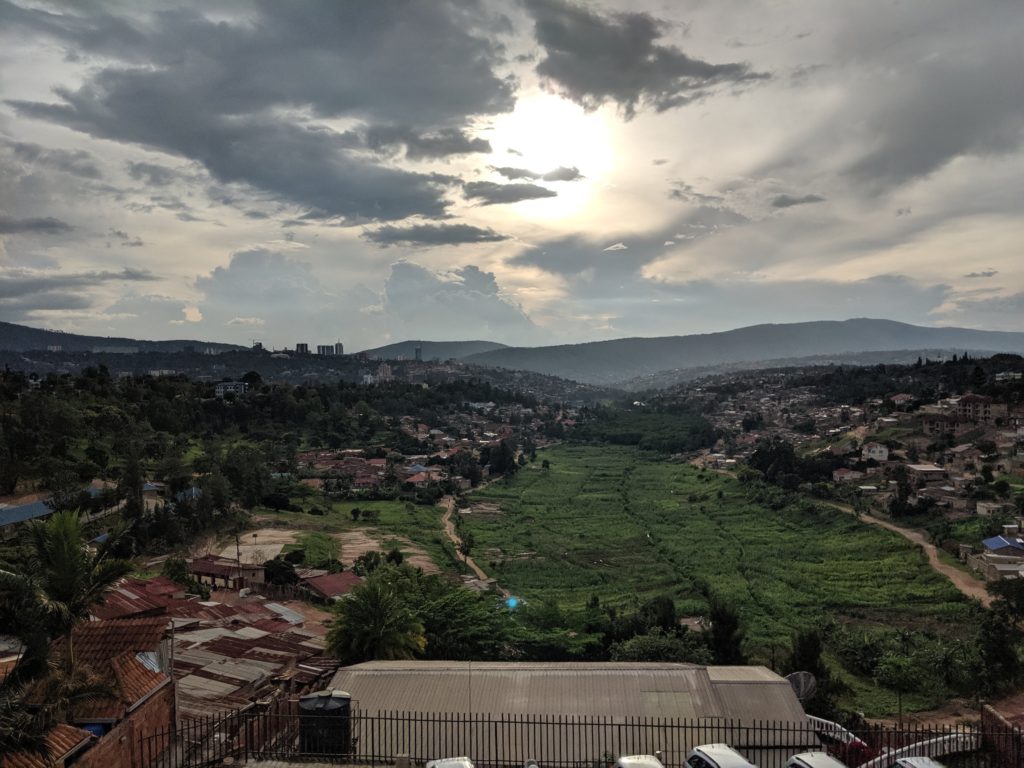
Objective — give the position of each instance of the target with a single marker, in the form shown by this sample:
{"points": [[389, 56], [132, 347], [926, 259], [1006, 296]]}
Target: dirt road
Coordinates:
{"points": [[967, 584], [449, 529]]}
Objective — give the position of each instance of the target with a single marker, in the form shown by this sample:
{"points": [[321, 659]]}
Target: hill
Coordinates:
{"points": [[21, 338], [431, 350], [614, 362]]}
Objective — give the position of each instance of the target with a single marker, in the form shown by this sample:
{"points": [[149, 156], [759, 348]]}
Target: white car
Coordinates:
{"points": [[916, 761], [952, 744], [451, 762], [814, 760], [717, 756], [638, 761]]}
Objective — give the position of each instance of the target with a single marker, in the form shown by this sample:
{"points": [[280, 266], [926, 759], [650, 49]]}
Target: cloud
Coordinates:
{"points": [[433, 234], [985, 273], [593, 59], [251, 322], [500, 194], [562, 173], [466, 303], [788, 201], [616, 247], [126, 239], [25, 293], [419, 146], [76, 162], [248, 96], [10, 225], [152, 174], [686, 192]]}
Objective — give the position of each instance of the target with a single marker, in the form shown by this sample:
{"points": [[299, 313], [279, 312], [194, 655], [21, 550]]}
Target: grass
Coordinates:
{"points": [[611, 522]]}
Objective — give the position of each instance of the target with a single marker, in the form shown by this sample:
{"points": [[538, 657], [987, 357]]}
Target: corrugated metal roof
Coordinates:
{"points": [[63, 740], [593, 689]]}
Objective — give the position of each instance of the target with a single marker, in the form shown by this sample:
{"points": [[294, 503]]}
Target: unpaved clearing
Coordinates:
{"points": [[270, 542]]}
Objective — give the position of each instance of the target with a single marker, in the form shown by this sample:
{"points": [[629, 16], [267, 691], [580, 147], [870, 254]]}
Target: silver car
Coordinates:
{"points": [[814, 760], [717, 756]]}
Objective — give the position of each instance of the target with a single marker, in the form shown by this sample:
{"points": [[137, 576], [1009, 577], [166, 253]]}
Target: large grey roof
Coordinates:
{"points": [[580, 688]]}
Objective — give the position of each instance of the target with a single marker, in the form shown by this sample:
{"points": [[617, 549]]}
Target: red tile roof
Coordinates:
{"points": [[98, 642], [63, 739], [333, 584]]}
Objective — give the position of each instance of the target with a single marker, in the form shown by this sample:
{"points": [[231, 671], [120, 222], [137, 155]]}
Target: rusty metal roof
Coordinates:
{"points": [[97, 642], [63, 740]]}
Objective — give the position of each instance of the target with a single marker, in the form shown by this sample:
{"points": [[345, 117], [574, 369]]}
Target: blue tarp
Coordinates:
{"points": [[23, 512]]}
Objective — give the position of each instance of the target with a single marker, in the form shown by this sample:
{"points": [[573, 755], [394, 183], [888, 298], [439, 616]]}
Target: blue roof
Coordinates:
{"points": [[19, 514], [998, 542]]}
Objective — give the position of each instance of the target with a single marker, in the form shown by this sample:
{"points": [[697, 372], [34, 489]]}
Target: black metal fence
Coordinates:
{"points": [[381, 738]]}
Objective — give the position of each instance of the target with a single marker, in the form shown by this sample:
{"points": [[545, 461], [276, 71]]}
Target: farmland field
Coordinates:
{"points": [[612, 522]]}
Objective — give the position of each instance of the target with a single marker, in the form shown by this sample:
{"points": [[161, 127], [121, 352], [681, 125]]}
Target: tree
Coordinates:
{"points": [[280, 572], [725, 635], [806, 656], [62, 578], [374, 623], [660, 645]]}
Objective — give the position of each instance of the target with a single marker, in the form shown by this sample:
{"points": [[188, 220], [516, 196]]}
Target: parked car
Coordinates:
{"points": [[717, 756], [841, 743], [952, 744], [638, 761], [814, 760], [917, 761], [451, 762]]}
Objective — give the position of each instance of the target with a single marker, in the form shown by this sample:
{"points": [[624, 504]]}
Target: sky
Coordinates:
{"points": [[523, 171]]}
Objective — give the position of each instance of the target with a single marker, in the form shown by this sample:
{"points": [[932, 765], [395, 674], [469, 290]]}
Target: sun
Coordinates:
{"points": [[545, 133]]}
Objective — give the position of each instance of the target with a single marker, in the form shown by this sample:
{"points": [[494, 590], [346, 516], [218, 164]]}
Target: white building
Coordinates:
{"points": [[875, 451]]}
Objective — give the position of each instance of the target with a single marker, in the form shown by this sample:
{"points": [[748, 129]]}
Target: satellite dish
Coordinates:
{"points": [[804, 684]]}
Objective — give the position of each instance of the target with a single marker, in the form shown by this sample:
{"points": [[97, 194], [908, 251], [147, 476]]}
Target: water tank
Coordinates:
{"points": [[325, 723]]}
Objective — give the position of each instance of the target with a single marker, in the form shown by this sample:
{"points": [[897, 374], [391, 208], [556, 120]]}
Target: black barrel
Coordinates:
{"points": [[325, 723]]}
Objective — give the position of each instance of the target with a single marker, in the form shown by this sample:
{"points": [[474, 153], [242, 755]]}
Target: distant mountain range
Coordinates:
{"points": [[611, 363], [627, 363], [441, 350], [21, 338]]}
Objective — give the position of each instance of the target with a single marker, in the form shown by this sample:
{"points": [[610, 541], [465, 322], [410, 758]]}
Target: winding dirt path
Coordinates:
{"points": [[448, 502], [967, 584]]}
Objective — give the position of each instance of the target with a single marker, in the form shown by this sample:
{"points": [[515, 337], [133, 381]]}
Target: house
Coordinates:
{"points": [[928, 473], [331, 586], [845, 475], [224, 573], [901, 400], [989, 508], [236, 388], [979, 409], [137, 598], [875, 451]]}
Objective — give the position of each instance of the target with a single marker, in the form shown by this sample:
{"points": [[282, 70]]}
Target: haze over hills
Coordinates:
{"points": [[441, 350], [616, 361], [21, 338]]}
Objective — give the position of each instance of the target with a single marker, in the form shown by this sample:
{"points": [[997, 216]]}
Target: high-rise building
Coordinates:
{"points": [[339, 348], [325, 350], [383, 373], [301, 349], [419, 353]]}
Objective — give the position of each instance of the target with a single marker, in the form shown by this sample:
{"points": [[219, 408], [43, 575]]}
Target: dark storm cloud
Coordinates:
{"points": [[420, 146], [985, 273], [593, 58], [243, 96], [515, 173], [788, 201], [434, 234], [9, 225], [562, 173], [76, 162], [499, 194]]}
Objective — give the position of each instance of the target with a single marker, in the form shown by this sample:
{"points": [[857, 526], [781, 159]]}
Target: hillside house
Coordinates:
{"points": [[846, 475], [223, 573], [328, 587], [874, 451], [225, 388], [926, 473]]}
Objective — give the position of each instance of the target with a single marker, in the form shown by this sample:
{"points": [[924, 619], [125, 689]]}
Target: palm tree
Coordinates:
{"points": [[21, 729], [62, 580], [374, 623]]}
